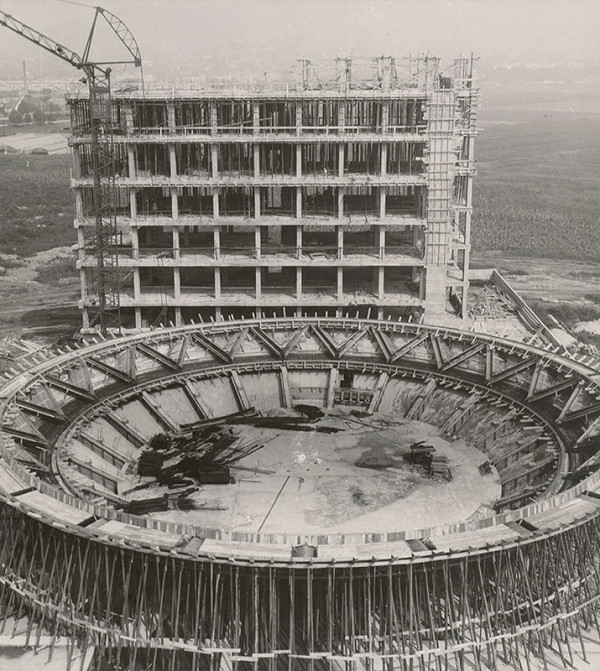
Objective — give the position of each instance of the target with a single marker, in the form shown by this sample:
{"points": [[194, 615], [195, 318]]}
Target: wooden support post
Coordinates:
{"points": [[331, 385], [239, 391], [284, 382], [378, 393]]}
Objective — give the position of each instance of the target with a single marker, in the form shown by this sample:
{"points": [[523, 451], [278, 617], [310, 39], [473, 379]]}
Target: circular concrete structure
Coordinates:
{"points": [[501, 568]]}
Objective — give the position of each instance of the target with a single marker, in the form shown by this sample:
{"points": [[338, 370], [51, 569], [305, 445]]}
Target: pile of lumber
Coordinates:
{"points": [[179, 501], [150, 463], [493, 306], [203, 456]]}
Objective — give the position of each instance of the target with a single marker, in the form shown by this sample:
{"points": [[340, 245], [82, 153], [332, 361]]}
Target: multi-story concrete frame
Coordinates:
{"points": [[338, 194]]}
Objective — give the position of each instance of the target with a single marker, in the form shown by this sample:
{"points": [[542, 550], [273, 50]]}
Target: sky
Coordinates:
{"points": [[252, 37]]}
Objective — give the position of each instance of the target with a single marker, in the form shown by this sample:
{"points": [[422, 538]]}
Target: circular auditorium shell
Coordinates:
{"points": [[518, 582]]}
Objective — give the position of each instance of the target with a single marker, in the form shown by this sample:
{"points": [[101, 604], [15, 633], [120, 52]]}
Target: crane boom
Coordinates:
{"points": [[80, 62], [99, 127]]}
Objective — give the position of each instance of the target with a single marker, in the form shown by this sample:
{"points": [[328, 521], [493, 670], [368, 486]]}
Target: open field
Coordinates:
{"points": [[35, 203], [536, 190]]}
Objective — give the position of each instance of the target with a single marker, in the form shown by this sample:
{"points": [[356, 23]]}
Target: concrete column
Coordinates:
{"points": [[215, 203], [131, 167], [298, 241], [138, 317], [172, 161], [340, 284], [83, 283], [255, 118], [212, 110], [382, 201], [79, 213], [340, 242], [380, 283], [80, 244], [176, 249], [258, 282], [128, 111], [137, 289], [217, 241], [174, 204], [214, 161], [171, 117], [381, 242], [176, 284], [257, 202], [299, 283], [75, 162], [385, 116], [257, 242], [298, 118], [383, 159], [256, 159], [435, 292], [133, 203], [135, 243], [341, 116], [214, 157], [298, 174], [341, 154], [178, 319], [340, 201], [218, 283]]}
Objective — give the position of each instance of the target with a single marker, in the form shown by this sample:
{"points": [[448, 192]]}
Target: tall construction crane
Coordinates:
{"points": [[99, 127]]}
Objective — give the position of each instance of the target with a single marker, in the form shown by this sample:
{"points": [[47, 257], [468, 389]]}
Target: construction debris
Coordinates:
{"points": [[422, 454], [150, 464], [492, 305], [180, 501]]}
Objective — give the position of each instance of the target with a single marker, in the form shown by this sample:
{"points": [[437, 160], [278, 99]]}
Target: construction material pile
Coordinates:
{"points": [[436, 465], [204, 456], [491, 306], [204, 452], [307, 421]]}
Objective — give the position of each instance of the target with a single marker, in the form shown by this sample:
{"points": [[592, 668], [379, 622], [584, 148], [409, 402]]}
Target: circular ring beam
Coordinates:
{"points": [[505, 584]]}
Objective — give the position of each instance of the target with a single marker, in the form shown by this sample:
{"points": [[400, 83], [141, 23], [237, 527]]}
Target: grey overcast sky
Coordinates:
{"points": [[251, 37]]}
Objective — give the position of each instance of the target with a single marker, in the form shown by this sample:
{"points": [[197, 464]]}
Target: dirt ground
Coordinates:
{"points": [[553, 280], [303, 482]]}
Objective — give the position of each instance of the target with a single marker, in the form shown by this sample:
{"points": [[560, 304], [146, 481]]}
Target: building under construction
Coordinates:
{"points": [[345, 191]]}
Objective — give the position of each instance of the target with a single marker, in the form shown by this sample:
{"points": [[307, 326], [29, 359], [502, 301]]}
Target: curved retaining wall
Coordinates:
{"points": [[168, 596]]}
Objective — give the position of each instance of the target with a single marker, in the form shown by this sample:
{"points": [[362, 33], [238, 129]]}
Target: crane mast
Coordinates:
{"points": [[98, 129]]}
